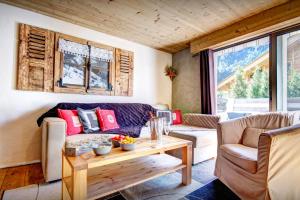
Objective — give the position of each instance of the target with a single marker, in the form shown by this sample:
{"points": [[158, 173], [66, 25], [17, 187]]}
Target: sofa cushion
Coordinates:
{"points": [[107, 119], [74, 125], [200, 137], [251, 136], [240, 155], [177, 117], [89, 120]]}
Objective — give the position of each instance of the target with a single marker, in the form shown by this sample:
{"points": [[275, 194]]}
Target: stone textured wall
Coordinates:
{"points": [[186, 86]]}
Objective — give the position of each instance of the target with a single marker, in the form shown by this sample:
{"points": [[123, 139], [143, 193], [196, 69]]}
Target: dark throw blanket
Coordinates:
{"points": [[130, 116]]}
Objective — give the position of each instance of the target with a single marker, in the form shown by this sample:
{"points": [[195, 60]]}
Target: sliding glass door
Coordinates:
{"points": [[242, 73], [288, 71]]}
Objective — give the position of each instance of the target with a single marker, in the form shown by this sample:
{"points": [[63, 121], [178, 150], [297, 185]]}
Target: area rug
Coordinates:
{"points": [[214, 190], [167, 187]]}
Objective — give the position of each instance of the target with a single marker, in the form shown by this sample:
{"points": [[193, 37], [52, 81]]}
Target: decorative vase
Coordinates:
{"points": [[156, 128]]}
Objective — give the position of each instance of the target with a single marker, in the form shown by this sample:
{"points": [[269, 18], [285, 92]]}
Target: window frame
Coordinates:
{"points": [[112, 68], [59, 67], [272, 60], [240, 43]]}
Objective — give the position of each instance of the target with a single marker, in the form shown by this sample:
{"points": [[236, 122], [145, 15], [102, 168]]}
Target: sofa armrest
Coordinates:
{"points": [[53, 139], [278, 152], [201, 120]]}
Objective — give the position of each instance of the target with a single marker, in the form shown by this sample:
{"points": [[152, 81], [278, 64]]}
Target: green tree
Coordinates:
{"points": [[260, 84], [239, 88], [293, 83]]}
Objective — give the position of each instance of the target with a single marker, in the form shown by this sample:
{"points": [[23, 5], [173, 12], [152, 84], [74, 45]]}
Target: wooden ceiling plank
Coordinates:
{"points": [[259, 23], [167, 25]]}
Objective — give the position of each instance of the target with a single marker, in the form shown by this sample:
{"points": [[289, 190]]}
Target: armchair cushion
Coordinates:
{"points": [[251, 136], [240, 155]]}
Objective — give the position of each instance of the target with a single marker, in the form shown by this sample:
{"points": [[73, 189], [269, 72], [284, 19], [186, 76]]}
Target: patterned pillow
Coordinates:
{"points": [[89, 120], [107, 119], [72, 120]]}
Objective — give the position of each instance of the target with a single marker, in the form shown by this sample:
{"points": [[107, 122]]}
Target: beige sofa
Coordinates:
{"points": [[258, 159], [197, 128]]}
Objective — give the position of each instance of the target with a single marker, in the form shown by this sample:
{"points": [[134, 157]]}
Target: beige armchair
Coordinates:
{"points": [[258, 159]]}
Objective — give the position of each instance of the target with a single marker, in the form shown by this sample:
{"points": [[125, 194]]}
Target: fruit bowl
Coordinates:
{"points": [[102, 149], [128, 147], [128, 143], [116, 140]]}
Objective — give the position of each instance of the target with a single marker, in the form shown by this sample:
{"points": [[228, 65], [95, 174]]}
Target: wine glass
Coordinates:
{"points": [[166, 126]]}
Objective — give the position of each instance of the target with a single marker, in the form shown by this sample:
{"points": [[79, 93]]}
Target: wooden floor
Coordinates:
{"points": [[14, 177]]}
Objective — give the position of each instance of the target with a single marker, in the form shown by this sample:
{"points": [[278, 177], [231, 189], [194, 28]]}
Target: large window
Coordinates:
{"points": [[288, 71], [242, 73]]}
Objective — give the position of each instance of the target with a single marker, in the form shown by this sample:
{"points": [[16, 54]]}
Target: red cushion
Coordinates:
{"points": [[177, 117], [107, 119], [74, 125]]}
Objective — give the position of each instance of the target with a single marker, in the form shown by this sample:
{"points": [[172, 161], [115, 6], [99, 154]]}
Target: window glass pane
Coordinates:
{"points": [[99, 74], [73, 70], [243, 79], [288, 72]]}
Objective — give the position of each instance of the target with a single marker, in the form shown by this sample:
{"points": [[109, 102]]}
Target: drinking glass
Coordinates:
{"points": [[166, 126]]}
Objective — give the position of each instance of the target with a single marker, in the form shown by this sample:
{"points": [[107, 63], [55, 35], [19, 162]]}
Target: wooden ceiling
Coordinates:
{"points": [[167, 25]]}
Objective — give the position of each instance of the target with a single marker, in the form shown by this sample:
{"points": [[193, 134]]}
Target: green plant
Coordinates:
{"points": [[260, 84], [239, 88], [293, 83]]}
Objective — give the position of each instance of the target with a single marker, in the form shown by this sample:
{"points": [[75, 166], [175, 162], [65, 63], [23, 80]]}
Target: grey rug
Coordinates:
{"points": [[167, 187]]}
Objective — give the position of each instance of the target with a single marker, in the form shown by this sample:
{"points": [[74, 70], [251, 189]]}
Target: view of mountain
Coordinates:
{"points": [[227, 63]]}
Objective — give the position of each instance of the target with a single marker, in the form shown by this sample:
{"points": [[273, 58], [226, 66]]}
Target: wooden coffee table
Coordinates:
{"points": [[90, 177]]}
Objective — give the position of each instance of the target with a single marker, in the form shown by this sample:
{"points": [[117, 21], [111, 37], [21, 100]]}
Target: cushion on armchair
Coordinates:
{"points": [[251, 136], [240, 155]]}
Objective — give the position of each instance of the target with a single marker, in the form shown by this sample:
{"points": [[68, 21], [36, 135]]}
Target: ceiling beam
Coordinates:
{"points": [[264, 22]]}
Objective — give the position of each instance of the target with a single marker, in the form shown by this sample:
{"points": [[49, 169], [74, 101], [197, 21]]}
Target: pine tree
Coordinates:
{"points": [[239, 88], [260, 84], [294, 83]]}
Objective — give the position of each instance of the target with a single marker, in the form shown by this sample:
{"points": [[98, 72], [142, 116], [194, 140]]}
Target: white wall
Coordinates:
{"points": [[19, 135]]}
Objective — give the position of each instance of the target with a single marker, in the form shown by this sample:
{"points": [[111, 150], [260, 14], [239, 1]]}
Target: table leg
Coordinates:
{"points": [[79, 184], [66, 172], [187, 160]]}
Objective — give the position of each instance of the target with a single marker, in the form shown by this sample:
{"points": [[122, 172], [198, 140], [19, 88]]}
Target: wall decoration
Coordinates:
{"points": [[171, 72], [35, 63], [50, 61], [124, 73]]}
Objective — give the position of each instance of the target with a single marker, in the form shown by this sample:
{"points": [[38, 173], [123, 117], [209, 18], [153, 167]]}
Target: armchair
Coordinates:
{"points": [[258, 158]]}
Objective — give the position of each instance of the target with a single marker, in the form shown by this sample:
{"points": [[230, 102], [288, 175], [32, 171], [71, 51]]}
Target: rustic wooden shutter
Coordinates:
{"points": [[35, 68], [124, 73]]}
